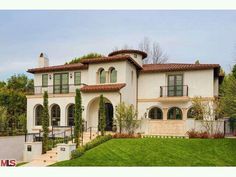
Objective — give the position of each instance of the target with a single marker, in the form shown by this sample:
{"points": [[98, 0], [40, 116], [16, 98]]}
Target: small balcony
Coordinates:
{"points": [[56, 89], [174, 93]]}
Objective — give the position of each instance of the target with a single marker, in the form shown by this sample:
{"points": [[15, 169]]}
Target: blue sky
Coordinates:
{"points": [[185, 36]]}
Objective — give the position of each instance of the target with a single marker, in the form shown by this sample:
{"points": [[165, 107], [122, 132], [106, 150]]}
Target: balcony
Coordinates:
{"points": [[56, 89], [174, 93]]}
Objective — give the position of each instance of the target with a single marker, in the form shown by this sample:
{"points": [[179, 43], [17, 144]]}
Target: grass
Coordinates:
{"points": [[21, 163], [159, 152]]}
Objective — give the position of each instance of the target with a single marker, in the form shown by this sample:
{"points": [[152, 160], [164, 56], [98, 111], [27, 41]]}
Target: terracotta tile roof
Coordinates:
{"points": [[102, 88], [66, 67], [111, 59], [147, 68], [144, 55]]}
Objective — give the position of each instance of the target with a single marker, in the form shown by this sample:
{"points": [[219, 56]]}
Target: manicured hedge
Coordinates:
{"points": [[95, 142]]}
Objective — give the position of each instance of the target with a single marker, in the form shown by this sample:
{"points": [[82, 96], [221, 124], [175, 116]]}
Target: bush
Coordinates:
{"points": [[125, 135], [218, 135], [95, 142], [192, 133], [203, 135], [78, 152]]}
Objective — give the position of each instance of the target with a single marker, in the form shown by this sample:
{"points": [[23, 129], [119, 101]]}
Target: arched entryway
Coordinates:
{"points": [[93, 113], [55, 115]]}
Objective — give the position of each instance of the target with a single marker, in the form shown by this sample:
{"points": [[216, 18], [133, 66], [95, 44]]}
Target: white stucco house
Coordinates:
{"points": [[161, 93]]}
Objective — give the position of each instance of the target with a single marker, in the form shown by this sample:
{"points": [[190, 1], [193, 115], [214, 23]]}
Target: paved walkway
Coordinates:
{"points": [[12, 147]]}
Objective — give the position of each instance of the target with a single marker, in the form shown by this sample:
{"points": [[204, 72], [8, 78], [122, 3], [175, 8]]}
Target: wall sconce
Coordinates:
{"points": [[82, 108], [50, 76], [145, 115], [71, 75]]}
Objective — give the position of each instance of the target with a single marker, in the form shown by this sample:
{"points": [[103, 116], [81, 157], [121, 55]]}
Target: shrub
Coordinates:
{"points": [[203, 135], [78, 152], [125, 135], [95, 142], [218, 135], [192, 133]]}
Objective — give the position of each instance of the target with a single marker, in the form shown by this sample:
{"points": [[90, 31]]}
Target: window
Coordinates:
{"points": [[102, 76], [113, 75], [191, 112], [77, 78], [175, 113], [55, 115], [71, 113], [155, 113], [38, 115], [45, 80], [175, 85], [61, 83]]}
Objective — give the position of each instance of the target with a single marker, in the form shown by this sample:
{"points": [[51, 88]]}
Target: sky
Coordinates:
{"points": [[185, 36]]}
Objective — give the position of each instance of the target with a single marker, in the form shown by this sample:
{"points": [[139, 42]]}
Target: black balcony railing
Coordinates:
{"points": [[56, 89], [174, 91]]}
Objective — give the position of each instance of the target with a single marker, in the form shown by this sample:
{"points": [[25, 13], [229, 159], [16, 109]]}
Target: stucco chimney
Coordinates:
{"points": [[43, 60]]}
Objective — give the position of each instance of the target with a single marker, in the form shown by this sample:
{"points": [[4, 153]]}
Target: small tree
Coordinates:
{"points": [[131, 123], [45, 122], [23, 122], [126, 117], [102, 115], [78, 129], [3, 119], [120, 114]]}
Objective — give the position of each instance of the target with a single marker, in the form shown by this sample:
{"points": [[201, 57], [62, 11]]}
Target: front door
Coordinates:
{"points": [[109, 116]]}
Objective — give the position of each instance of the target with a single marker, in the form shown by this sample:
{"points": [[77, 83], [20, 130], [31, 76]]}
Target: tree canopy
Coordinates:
{"points": [[87, 56]]}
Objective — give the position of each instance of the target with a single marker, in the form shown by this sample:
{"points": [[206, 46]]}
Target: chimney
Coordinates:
{"points": [[43, 61]]}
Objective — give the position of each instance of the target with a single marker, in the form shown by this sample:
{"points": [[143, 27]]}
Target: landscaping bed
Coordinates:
{"points": [[159, 152]]}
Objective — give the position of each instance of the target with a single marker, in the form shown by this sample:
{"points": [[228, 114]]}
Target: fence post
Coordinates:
{"points": [[25, 137]]}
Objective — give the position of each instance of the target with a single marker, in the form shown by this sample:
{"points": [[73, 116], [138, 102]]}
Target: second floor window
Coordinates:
{"points": [[175, 85], [45, 80], [77, 78], [61, 83], [113, 75], [102, 76]]}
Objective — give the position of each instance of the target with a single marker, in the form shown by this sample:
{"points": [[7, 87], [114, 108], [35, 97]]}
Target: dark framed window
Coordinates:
{"points": [[102, 76], [155, 113], [61, 83], [191, 113], [174, 113], [70, 114], [113, 75], [175, 85], [77, 78], [38, 115], [45, 80], [55, 115]]}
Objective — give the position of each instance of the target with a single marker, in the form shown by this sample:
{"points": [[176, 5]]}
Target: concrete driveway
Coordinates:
{"points": [[11, 147]]}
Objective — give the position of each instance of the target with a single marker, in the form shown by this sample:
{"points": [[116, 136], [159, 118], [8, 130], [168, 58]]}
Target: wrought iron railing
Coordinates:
{"points": [[174, 91], [56, 89]]}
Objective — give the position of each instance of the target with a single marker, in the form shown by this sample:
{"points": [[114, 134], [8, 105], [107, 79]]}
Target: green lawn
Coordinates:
{"points": [[159, 152]]}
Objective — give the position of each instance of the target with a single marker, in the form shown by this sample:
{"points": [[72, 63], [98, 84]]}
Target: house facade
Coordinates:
{"points": [[161, 93]]}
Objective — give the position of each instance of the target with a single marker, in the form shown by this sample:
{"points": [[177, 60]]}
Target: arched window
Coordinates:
{"points": [[38, 115], [175, 113], [113, 75], [56, 115], [191, 113], [102, 76], [155, 113], [70, 114]]}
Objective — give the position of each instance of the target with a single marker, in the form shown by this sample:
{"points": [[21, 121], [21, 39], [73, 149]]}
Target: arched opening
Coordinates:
{"points": [[55, 115], [155, 113], [71, 115], [93, 113], [113, 75], [191, 113], [38, 115], [102, 76], [174, 113]]}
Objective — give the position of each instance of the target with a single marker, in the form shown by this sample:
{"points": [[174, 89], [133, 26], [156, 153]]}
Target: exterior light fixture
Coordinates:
{"points": [[82, 108], [145, 115], [71, 75], [50, 76]]}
